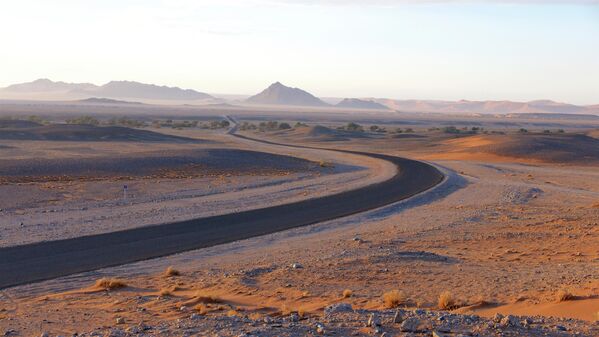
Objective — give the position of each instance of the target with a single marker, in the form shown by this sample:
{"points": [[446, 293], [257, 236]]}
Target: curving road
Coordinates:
{"points": [[46, 260]]}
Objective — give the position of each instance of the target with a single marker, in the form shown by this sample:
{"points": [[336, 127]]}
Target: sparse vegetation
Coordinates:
{"points": [[201, 308], [394, 298], [247, 126], [347, 293], [300, 125], [128, 122], [564, 295], [462, 131], [284, 126], [170, 271], [110, 283], [84, 120], [166, 292], [353, 127], [446, 301], [523, 130]]}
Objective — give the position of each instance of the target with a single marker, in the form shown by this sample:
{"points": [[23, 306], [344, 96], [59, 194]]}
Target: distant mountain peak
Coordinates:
{"points": [[279, 94], [355, 103]]}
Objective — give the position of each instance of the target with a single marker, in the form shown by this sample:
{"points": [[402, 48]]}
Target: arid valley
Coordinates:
{"points": [[292, 168], [505, 244]]}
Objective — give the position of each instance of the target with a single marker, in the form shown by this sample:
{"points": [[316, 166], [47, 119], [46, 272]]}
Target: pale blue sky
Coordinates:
{"points": [[517, 50]]}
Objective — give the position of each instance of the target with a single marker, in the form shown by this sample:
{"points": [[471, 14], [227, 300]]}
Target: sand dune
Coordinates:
{"points": [[547, 148]]}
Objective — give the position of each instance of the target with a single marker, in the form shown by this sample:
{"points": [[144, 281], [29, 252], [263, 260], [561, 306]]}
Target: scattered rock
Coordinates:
{"points": [[120, 320], [337, 308], [297, 266], [411, 324], [398, 317], [510, 320], [373, 321]]}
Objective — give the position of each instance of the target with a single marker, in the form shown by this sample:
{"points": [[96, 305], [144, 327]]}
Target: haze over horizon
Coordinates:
{"points": [[446, 50]]}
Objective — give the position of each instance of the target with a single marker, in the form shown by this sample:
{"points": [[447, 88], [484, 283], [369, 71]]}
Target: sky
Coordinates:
{"points": [[401, 49]]}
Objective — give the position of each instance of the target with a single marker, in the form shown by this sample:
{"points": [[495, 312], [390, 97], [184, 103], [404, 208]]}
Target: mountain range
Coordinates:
{"points": [[113, 89], [278, 94]]}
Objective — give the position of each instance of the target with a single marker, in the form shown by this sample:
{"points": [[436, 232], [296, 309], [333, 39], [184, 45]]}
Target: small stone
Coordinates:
{"points": [[183, 308], [398, 318], [373, 321], [411, 324], [561, 328], [195, 316], [438, 334], [45, 334], [510, 320], [294, 317], [497, 318], [319, 328], [297, 266], [120, 320]]}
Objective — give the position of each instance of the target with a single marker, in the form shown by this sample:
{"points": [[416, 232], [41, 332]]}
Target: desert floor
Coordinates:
{"points": [[500, 234]]}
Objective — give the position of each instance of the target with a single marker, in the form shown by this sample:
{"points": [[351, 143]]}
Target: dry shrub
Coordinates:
{"points": [[301, 312], [446, 301], [165, 292], [232, 313], [564, 295], [347, 293], [202, 298], [201, 308], [170, 271], [110, 283], [394, 298]]}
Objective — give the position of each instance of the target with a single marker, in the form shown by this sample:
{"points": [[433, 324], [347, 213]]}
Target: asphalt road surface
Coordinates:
{"points": [[46, 260]]}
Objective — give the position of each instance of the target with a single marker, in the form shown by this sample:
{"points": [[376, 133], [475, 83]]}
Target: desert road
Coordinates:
{"points": [[52, 259]]}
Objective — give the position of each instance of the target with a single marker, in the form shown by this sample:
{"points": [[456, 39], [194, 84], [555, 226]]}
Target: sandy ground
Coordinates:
{"points": [[500, 237]]}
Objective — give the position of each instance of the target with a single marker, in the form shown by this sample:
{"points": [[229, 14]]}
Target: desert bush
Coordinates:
{"points": [[563, 295], [166, 292], [284, 126], [170, 271], [446, 301], [201, 308], [409, 130], [394, 298], [354, 127], [110, 283], [347, 293], [86, 120]]}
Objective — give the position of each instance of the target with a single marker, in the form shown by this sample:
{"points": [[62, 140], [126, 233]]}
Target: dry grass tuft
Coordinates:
{"points": [[347, 293], [110, 283], [201, 308], [394, 298], [202, 298], [232, 313], [165, 292], [564, 295], [446, 301], [170, 271]]}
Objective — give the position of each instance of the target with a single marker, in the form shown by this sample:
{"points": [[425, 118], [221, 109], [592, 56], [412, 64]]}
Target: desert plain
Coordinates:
{"points": [[507, 244]]}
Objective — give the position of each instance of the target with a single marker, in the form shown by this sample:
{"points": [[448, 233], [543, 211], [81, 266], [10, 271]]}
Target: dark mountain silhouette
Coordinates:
{"points": [[279, 94]]}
